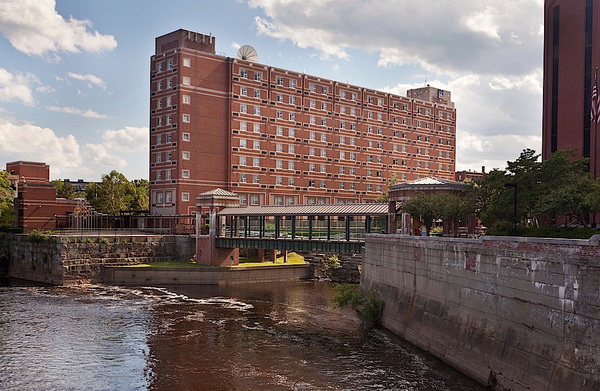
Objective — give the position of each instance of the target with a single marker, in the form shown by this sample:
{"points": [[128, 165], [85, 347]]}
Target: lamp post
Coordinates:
{"points": [[514, 186]]}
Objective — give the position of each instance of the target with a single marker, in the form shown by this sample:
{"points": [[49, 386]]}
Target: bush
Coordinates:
{"points": [[40, 236], [560, 232], [366, 302], [501, 228]]}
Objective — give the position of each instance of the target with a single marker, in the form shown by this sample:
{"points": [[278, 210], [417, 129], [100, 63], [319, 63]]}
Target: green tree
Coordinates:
{"points": [[66, 190], [113, 194], [7, 211], [453, 208], [426, 206], [384, 196], [141, 195]]}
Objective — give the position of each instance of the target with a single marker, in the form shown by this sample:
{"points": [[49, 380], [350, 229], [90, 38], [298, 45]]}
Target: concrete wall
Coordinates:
{"points": [[513, 313], [203, 276], [77, 259]]}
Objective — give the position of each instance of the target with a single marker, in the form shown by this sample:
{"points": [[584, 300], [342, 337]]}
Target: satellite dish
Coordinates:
{"points": [[247, 53]]}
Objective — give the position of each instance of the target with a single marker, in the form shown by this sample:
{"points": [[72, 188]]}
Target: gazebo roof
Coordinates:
{"points": [[401, 191]]}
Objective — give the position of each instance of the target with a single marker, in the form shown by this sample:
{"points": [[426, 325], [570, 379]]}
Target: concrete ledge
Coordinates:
{"points": [[202, 276]]}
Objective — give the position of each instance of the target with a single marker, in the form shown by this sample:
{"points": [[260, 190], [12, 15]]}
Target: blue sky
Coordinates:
{"points": [[74, 75]]}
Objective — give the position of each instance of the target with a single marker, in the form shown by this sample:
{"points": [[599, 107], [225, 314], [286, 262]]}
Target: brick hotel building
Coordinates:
{"points": [[279, 137], [571, 55]]}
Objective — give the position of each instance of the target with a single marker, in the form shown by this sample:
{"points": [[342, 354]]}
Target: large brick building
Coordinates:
{"points": [[279, 137], [571, 55]]}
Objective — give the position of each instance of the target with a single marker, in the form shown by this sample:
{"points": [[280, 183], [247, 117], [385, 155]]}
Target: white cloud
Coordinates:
{"points": [[34, 27], [128, 139], [481, 36], [67, 156], [72, 110], [25, 141], [16, 87], [92, 80]]}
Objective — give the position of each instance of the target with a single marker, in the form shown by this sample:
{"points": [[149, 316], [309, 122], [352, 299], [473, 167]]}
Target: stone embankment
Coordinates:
{"points": [[348, 270], [513, 313], [64, 260]]}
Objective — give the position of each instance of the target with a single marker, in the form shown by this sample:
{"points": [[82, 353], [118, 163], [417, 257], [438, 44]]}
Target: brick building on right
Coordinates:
{"points": [[571, 56]]}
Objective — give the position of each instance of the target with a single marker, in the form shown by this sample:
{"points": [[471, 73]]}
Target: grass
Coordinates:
{"points": [[169, 264], [293, 259]]}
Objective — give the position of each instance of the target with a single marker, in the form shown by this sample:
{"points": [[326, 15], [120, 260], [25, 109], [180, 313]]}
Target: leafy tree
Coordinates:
{"points": [[453, 208], [7, 214], [384, 196], [66, 190], [424, 205], [113, 194], [140, 196]]}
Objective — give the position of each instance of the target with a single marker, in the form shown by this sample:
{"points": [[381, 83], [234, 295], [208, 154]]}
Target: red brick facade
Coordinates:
{"points": [[36, 205], [571, 55], [279, 137]]}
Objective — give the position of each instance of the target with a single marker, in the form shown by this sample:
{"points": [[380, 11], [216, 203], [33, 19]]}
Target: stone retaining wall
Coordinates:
{"points": [[513, 313], [60, 260], [203, 276], [348, 272]]}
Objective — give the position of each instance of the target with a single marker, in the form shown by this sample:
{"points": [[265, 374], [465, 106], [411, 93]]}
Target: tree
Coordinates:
{"points": [[453, 208], [7, 206], [384, 196], [113, 194], [66, 190], [140, 196], [425, 206]]}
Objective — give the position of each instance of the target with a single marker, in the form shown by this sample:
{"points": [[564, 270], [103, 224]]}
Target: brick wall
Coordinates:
{"points": [[515, 314]]}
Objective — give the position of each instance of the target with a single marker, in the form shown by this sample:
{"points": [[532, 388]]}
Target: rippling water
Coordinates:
{"points": [[280, 336]]}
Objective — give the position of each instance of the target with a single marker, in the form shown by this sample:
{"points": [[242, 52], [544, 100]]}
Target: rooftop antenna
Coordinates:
{"points": [[247, 53]]}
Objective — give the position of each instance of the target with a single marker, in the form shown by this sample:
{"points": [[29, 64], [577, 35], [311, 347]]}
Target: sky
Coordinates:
{"points": [[74, 74]]}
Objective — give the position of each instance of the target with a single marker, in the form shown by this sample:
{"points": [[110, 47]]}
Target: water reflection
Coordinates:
{"points": [[248, 337]]}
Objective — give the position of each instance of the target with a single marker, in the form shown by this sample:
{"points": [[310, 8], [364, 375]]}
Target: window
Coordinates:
{"points": [[256, 110], [291, 148], [292, 116], [159, 67], [280, 80], [313, 120], [244, 91], [291, 165], [243, 178], [323, 184], [168, 156], [343, 94], [243, 125], [279, 180], [279, 98], [257, 76], [158, 139], [279, 114], [187, 81], [256, 145], [292, 100], [290, 181], [169, 118], [159, 198], [293, 83], [243, 108], [311, 183], [324, 90], [323, 137], [312, 136], [279, 163], [323, 168], [168, 137], [159, 157], [279, 129], [243, 143], [159, 85], [186, 99], [159, 103], [311, 151], [255, 178], [256, 162], [185, 173], [291, 132], [170, 82], [312, 167], [170, 63], [186, 118], [257, 93], [254, 199], [324, 121], [185, 197], [187, 62], [185, 155], [256, 127], [185, 136], [169, 197], [243, 160], [323, 152], [244, 73], [279, 147], [313, 87]]}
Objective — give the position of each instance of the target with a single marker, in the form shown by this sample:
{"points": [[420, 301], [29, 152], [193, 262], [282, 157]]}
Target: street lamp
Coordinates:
{"points": [[514, 186]]}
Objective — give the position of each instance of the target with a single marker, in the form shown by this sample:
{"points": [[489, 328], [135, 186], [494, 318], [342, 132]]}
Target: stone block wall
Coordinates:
{"points": [[62, 260], [513, 313], [348, 272]]}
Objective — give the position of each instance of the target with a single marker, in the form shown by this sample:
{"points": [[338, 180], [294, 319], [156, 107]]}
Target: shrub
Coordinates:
{"points": [[367, 303], [40, 236]]}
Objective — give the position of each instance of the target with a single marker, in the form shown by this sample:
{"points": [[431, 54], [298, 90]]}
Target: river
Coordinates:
{"points": [[277, 336]]}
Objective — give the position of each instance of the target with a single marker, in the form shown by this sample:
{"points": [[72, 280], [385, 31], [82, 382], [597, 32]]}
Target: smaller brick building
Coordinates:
{"points": [[36, 205]]}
